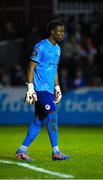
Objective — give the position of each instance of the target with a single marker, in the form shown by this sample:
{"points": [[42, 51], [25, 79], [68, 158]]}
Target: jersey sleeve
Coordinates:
{"points": [[37, 53]]}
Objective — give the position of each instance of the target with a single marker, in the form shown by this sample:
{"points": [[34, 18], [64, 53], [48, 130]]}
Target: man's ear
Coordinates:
{"points": [[52, 32]]}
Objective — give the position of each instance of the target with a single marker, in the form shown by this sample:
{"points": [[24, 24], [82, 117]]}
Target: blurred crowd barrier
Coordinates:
{"points": [[78, 107]]}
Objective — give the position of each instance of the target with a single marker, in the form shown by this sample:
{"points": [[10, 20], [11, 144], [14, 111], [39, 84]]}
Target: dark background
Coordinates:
{"points": [[23, 23]]}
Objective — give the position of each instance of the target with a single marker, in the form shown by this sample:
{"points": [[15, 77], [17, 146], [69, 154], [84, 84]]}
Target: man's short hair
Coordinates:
{"points": [[53, 24]]}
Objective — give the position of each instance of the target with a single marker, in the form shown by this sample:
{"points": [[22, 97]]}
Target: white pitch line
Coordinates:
{"points": [[38, 169]]}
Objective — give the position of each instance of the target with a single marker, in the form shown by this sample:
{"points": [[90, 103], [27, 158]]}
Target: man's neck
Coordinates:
{"points": [[52, 40]]}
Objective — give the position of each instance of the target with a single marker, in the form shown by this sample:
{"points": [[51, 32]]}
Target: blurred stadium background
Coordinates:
{"points": [[22, 24]]}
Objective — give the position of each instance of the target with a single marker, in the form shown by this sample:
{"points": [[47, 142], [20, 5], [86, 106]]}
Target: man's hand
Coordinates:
{"points": [[58, 94], [31, 95]]}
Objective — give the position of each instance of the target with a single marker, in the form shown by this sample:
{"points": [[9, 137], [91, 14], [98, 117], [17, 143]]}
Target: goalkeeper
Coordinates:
{"points": [[43, 89]]}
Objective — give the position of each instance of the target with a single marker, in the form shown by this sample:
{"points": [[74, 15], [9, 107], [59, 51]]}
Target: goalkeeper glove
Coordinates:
{"points": [[31, 95], [58, 94]]}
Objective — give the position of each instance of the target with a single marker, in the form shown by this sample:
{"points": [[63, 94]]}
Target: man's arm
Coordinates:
{"points": [[30, 71], [57, 80], [31, 94]]}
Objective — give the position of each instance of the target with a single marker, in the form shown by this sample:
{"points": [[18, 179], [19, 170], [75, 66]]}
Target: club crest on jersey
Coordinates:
{"points": [[35, 52], [47, 106]]}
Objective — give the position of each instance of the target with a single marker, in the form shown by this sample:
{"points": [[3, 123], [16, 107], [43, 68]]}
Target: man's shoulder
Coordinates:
{"points": [[58, 49], [40, 44]]}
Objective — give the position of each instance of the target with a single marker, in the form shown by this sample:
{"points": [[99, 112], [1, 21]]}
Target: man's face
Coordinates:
{"points": [[58, 33]]}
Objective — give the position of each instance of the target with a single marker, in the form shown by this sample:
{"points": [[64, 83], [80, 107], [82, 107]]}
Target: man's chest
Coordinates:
{"points": [[51, 55]]}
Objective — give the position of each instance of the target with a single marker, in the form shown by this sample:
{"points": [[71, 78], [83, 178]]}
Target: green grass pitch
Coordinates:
{"points": [[83, 144]]}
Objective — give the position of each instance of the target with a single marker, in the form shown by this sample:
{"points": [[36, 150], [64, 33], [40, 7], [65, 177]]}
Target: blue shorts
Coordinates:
{"points": [[45, 103]]}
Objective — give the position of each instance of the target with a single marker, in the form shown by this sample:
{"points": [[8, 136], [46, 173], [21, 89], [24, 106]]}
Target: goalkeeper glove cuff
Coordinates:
{"points": [[30, 86], [58, 94]]}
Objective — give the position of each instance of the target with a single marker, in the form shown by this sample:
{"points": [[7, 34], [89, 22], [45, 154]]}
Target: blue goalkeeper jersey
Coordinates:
{"points": [[47, 57]]}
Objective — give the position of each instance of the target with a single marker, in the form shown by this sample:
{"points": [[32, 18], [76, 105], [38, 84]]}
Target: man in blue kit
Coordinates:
{"points": [[44, 90]]}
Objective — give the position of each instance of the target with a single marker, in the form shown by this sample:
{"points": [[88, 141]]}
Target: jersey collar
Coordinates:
{"points": [[51, 43]]}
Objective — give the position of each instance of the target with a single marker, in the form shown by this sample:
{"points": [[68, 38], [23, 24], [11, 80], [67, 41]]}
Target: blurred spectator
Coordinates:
{"points": [[17, 76], [71, 49], [88, 48], [10, 31], [99, 61], [4, 77], [79, 80], [90, 68], [96, 81], [78, 34], [65, 80]]}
